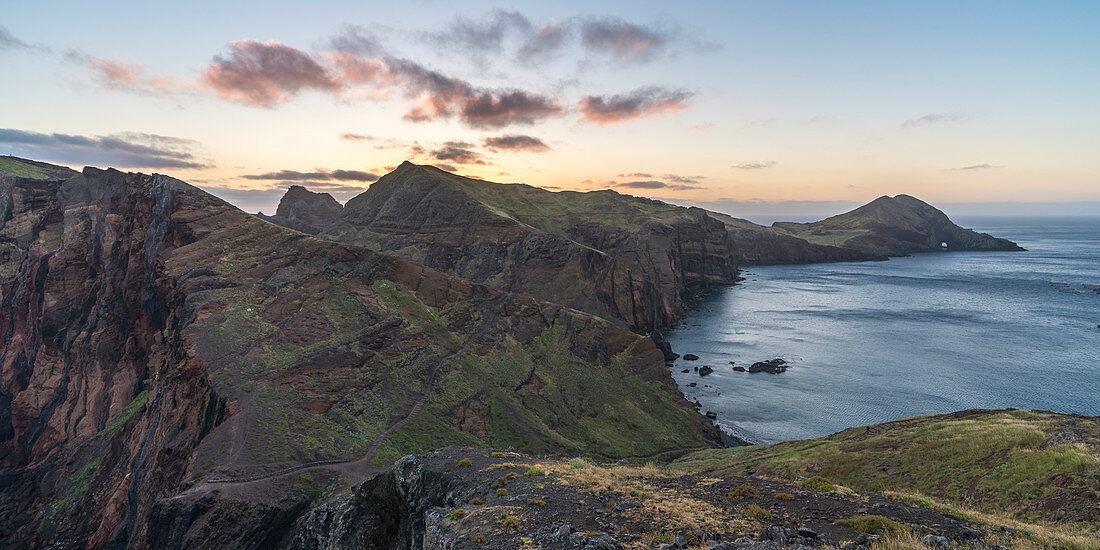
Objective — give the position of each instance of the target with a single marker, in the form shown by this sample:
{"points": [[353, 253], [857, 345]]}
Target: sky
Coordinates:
{"points": [[744, 107]]}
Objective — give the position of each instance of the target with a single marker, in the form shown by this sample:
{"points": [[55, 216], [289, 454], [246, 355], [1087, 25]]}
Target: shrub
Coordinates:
{"points": [[479, 538], [501, 466], [819, 484], [509, 522], [458, 514], [874, 525], [756, 512], [464, 463], [500, 482], [784, 496], [476, 501], [502, 492], [498, 454], [534, 472], [743, 491], [536, 502]]}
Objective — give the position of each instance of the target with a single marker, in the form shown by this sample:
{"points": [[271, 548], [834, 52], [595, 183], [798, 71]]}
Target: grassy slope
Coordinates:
{"points": [[999, 467], [553, 212], [282, 280], [32, 169]]}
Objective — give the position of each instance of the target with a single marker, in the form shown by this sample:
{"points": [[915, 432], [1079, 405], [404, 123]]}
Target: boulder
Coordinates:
{"points": [[771, 366]]}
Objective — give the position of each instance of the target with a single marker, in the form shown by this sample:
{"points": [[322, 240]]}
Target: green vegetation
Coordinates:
{"points": [[784, 496], [995, 461], [998, 468], [16, 167], [874, 525], [127, 413], [743, 491], [536, 502], [534, 472], [819, 484], [458, 514], [464, 463], [756, 512]]}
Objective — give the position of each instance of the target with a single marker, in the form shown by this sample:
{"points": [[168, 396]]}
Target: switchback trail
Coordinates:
{"points": [[352, 468]]}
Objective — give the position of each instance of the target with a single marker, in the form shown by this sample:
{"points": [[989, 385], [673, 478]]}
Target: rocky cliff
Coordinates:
{"points": [[895, 226], [631, 260], [161, 346], [305, 211]]}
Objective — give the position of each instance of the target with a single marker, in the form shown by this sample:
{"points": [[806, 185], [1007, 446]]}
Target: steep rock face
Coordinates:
{"points": [[155, 337], [96, 397], [623, 258], [305, 211], [895, 226]]}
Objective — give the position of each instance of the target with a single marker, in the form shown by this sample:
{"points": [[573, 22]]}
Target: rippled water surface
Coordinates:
{"points": [[931, 333]]}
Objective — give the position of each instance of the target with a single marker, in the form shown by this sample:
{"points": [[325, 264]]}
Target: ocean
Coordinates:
{"points": [[869, 342]]}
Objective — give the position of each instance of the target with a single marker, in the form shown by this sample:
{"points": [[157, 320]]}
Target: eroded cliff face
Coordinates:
{"points": [[630, 260], [97, 397], [162, 348]]}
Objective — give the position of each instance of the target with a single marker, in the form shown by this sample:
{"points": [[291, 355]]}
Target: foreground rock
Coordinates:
{"points": [[468, 498]]}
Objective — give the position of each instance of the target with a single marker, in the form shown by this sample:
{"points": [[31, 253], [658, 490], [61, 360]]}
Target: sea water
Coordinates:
{"points": [[930, 333]]}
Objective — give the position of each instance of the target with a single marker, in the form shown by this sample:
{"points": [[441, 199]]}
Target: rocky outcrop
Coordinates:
{"points": [[163, 351], [305, 211], [626, 259], [469, 498], [895, 226]]}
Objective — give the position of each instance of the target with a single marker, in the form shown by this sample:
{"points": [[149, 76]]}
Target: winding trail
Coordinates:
{"points": [[359, 467]]}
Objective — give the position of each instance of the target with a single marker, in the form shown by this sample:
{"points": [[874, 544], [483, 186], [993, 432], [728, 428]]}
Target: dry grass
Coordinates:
{"points": [[1035, 535]]}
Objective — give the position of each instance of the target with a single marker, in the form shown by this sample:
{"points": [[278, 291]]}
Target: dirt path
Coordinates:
{"points": [[353, 469]]}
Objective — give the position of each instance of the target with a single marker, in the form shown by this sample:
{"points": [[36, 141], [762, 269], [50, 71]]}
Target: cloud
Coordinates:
{"points": [[479, 37], [516, 142], [443, 97], [8, 41], [704, 126], [931, 118], [458, 152], [130, 76], [376, 142], [655, 184], [636, 175], [641, 103], [356, 40], [683, 179], [264, 74], [318, 174], [976, 167], [755, 165], [446, 167], [623, 41], [544, 42], [128, 150]]}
